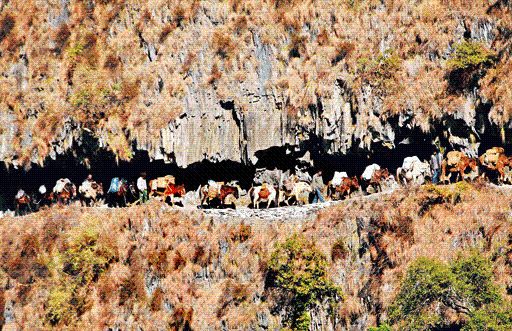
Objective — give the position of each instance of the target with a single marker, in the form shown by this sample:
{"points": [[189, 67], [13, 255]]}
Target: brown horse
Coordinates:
{"points": [[67, 194], [378, 177], [459, 166], [89, 195], [173, 190], [220, 192], [226, 191], [502, 161], [347, 186]]}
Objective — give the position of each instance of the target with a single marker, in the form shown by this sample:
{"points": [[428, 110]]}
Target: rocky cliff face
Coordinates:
{"points": [[221, 81]]}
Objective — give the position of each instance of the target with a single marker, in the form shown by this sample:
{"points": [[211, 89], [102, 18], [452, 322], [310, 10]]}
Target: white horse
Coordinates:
{"points": [[413, 171], [264, 193]]}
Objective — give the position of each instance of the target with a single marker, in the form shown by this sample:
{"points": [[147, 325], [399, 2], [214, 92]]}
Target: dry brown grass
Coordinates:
{"points": [[209, 271]]}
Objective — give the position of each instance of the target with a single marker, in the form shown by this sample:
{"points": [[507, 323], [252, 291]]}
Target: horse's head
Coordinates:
{"points": [[70, 188], [229, 189], [481, 159], [24, 199]]}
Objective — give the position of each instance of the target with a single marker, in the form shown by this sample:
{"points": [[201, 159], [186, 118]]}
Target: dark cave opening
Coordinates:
{"points": [[87, 157]]}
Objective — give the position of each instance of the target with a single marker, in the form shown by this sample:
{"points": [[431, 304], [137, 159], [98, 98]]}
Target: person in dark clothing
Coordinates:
{"points": [[436, 161]]}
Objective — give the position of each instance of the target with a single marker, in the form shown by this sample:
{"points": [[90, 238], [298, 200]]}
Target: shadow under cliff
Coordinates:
{"points": [[88, 157]]}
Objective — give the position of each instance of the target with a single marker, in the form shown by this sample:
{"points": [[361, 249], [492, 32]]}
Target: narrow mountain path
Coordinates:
{"points": [[291, 213]]}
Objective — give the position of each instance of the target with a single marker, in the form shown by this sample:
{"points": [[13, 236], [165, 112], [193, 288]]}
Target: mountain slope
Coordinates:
{"points": [[156, 268]]}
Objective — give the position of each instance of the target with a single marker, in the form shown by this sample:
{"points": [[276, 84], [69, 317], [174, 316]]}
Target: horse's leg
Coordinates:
{"points": [[268, 203], [501, 176]]}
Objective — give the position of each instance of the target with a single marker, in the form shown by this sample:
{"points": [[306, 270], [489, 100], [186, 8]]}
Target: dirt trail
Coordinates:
{"points": [[290, 213]]}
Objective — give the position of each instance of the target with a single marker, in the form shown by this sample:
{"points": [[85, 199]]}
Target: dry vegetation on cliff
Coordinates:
{"points": [[156, 268], [125, 68]]}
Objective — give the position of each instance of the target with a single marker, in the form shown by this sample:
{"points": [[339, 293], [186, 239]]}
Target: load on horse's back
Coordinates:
{"points": [[159, 185], [458, 162], [491, 156], [495, 159], [115, 185], [294, 188], [413, 170], [120, 192], [90, 191], [65, 190], [453, 158], [345, 188]]}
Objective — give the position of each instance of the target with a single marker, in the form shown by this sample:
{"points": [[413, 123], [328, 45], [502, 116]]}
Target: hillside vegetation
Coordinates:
{"points": [[125, 69], [431, 257]]}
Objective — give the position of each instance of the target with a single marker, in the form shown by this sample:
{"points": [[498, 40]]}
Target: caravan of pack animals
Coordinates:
{"points": [[274, 188]]}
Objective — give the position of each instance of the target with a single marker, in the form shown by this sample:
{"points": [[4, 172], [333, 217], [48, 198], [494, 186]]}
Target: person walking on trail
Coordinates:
{"points": [[436, 161], [317, 184], [142, 186]]}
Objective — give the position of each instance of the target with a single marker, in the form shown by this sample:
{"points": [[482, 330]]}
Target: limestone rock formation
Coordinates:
{"points": [[222, 81]]}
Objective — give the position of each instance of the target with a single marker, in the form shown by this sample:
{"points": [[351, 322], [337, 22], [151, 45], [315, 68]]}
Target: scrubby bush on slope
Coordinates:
{"points": [[299, 269], [151, 267], [433, 292]]}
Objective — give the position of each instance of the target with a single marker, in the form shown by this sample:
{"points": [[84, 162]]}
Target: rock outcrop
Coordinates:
{"points": [[222, 81]]}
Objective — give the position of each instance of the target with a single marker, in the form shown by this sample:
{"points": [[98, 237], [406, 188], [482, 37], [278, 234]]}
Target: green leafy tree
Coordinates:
{"points": [[299, 269], [474, 280], [431, 288], [382, 327], [469, 54], [495, 317], [428, 283]]}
